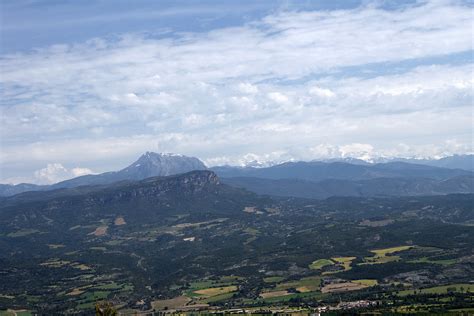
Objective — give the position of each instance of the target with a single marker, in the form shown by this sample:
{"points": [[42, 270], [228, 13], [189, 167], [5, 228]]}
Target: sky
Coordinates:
{"points": [[88, 86]]}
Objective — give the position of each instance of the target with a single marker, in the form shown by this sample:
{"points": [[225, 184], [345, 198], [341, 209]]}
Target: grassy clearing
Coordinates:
{"points": [[468, 311], [320, 263], [114, 242], [304, 285], [11, 312], [81, 266], [201, 284], [385, 255], [251, 231], [342, 287], [95, 295], [273, 279], [207, 288], [381, 223], [273, 294], [75, 292], [344, 261], [98, 248], [23, 233], [387, 251], [218, 298], [55, 246], [368, 282], [444, 262], [55, 263], [443, 289], [253, 235], [214, 291], [285, 298]]}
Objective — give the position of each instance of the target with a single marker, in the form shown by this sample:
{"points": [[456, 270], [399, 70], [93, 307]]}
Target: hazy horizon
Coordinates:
{"points": [[56, 172]]}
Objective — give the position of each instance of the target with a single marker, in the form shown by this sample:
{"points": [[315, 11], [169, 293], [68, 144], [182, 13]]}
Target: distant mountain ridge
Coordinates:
{"points": [[351, 175], [317, 171], [148, 165], [465, 162], [378, 187], [320, 180], [140, 200]]}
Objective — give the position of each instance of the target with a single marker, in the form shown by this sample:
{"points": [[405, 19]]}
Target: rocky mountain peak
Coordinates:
{"points": [[153, 164]]}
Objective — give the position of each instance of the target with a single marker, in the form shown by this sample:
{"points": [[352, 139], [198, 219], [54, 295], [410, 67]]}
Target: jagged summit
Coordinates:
{"points": [[148, 165], [153, 164]]}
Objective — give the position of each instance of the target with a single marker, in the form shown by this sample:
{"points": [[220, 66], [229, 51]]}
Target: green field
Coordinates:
{"points": [[15, 313], [368, 282], [304, 285], [320, 263], [313, 295], [274, 279], [460, 287], [444, 262], [23, 233]]}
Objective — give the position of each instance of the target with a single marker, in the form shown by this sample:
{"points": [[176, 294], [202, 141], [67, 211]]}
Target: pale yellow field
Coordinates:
{"points": [[303, 289], [213, 291], [80, 266], [75, 292], [342, 287], [308, 284], [368, 282], [345, 261], [385, 251], [385, 255]]}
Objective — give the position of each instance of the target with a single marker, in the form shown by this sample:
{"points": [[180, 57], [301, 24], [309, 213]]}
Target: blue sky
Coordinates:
{"points": [[87, 86]]}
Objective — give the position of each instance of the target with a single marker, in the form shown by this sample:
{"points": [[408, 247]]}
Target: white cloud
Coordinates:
{"points": [[278, 85], [321, 92], [247, 88], [278, 97], [77, 172], [56, 172]]}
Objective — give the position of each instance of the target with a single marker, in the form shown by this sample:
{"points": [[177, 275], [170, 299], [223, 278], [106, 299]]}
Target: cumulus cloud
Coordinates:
{"points": [[293, 85], [278, 97], [56, 172], [247, 88], [321, 92]]}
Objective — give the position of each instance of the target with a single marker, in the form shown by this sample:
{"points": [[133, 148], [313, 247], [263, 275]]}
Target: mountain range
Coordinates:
{"points": [[148, 165], [314, 179], [142, 200], [141, 241]]}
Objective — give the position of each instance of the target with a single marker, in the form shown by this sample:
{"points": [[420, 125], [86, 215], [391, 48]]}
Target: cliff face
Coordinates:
{"points": [[152, 199]]}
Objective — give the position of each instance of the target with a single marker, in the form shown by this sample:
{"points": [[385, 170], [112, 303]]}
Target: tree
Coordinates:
{"points": [[105, 309]]}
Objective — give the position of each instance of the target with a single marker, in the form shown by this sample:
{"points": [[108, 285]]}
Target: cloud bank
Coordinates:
{"points": [[292, 85]]}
